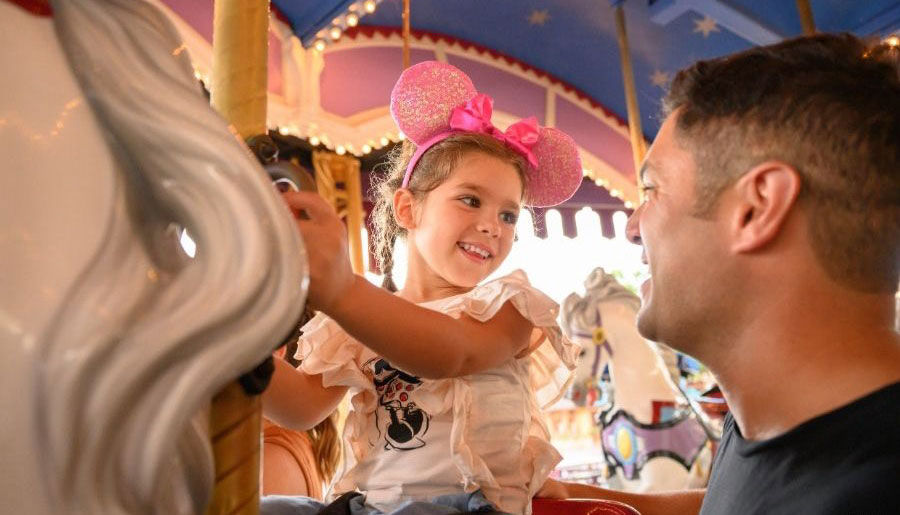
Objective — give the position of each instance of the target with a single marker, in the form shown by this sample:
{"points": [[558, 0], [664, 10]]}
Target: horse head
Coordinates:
{"points": [[114, 339], [584, 322]]}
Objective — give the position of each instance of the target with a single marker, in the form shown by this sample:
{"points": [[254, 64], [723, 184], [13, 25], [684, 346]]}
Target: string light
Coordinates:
{"points": [[319, 45], [314, 141], [892, 41], [340, 150], [384, 141], [335, 33], [366, 149], [352, 20], [369, 6]]}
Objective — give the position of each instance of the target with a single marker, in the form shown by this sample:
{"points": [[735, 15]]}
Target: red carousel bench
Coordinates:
{"points": [[541, 506]]}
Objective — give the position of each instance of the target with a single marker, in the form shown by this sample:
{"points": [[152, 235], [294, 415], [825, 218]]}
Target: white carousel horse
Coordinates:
{"points": [[650, 437], [113, 340]]}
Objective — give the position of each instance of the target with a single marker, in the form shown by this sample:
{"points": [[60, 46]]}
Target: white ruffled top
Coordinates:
{"points": [[407, 438]]}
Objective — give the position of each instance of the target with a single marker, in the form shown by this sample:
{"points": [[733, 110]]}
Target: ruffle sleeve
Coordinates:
{"points": [[553, 356], [325, 348]]}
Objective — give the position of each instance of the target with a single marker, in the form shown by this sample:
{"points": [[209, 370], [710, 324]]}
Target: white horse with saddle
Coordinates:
{"points": [[651, 437]]}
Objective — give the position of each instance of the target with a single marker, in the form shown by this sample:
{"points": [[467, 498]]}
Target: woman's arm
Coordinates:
{"points": [[299, 401], [657, 503]]}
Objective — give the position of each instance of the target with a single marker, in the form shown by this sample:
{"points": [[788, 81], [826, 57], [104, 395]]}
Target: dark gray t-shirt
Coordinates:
{"points": [[846, 461]]}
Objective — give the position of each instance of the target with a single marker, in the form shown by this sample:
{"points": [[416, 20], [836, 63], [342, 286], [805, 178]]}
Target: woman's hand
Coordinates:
{"points": [[325, 237]]}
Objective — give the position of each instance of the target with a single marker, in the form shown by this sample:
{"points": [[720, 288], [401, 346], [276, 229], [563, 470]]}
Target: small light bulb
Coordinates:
{"points": [[283, 130], [893, 41], [366, 149], [384, 141], [314, 141], [335, 33], [352, 20], [319, 45], [369, 6], [340, 150], [401, 136], [628, 204]]}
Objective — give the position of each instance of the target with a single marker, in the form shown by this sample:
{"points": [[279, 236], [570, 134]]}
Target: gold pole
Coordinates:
{"points": [[239, 84], [634, 116], [806, 17], [240, 72], [405, 34], [338, 182]]}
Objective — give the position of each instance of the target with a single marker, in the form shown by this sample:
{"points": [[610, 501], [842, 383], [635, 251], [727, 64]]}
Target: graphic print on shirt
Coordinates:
{"points": [[400, 421]]}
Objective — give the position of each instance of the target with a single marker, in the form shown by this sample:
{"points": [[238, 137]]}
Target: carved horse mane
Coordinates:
{"points": [[143, 337]]}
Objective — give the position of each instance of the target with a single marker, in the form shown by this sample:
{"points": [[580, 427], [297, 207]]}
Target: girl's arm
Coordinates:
{"points": [[424, 342], [299, 401], [417, 340]]}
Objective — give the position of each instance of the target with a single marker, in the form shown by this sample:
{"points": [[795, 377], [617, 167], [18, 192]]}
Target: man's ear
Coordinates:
{"points": [[763, 198], [404, 208]]}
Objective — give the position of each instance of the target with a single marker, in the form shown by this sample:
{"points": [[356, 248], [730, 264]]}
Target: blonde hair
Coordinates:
{"points": [[434, 167]]}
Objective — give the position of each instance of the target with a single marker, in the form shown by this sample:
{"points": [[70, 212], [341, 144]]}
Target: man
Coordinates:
{"points": [[771, 226]]}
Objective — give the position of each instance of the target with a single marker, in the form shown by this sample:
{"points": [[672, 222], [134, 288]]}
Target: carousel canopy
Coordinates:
{"points": [[574, 41], [332, 63]]}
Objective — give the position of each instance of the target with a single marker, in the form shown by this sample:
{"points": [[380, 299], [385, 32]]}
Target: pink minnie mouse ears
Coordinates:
{"points": [[432, 101]]}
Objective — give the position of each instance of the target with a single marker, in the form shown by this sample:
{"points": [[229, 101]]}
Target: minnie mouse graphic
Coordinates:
{"points": [[406, 422]]}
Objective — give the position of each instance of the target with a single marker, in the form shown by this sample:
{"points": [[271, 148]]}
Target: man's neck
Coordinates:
{"points": [[802, 357]]}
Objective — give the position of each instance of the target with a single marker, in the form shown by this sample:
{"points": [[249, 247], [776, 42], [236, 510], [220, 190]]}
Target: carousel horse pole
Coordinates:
{"points": [[238, 92]]}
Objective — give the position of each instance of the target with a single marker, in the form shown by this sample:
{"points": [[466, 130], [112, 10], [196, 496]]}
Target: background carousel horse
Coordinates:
{"points": [[651, 438], [113, 339]]}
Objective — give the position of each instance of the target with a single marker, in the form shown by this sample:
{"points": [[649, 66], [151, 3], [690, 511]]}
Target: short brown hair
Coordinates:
{"points": [[433, 168], [829, 106]]}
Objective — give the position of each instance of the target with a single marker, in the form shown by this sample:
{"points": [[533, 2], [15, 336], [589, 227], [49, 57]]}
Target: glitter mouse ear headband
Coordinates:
{"points": [[432, 101]]}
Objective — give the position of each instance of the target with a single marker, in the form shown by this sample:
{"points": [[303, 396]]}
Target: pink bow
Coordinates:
{"points": [[475, 116]]}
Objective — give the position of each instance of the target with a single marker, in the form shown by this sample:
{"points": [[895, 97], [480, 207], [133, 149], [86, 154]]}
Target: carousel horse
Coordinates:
{"points": [[651, 438], [114, 340]]}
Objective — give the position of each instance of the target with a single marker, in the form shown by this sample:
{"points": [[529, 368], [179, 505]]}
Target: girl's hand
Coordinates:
{"points": [[325, 237]]}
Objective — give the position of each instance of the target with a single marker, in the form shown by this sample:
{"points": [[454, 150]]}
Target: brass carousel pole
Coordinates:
{"points": [[806, 17], [638, 147], [238, 92], [405, 34]]}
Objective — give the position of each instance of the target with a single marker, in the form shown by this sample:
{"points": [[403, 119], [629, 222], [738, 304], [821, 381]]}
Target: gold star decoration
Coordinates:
{"points": [[659, 78], [706, 25], [539, 17]]}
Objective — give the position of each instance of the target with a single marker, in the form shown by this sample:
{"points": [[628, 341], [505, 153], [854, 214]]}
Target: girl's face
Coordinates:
{"points": [[464, 228]]}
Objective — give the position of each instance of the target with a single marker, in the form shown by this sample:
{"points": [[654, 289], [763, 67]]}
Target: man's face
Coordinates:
{"points": [[682, 250]]}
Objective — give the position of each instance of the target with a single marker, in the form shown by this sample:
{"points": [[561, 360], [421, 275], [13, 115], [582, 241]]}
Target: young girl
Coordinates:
{"points": [[448, 377]]}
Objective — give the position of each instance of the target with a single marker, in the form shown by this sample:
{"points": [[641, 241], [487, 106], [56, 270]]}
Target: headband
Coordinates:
{"points": [[432, 101]]}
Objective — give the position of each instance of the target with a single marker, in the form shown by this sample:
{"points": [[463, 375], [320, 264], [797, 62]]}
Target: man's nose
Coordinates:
{"points": [[632, 227]]}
